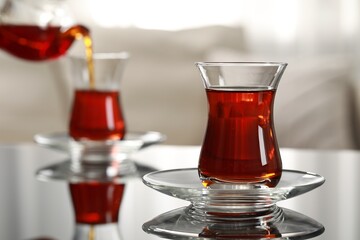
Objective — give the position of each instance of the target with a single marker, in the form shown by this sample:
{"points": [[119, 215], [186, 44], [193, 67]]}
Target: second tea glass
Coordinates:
{"points": [[96, 110], [97, 122], [240, 144]]}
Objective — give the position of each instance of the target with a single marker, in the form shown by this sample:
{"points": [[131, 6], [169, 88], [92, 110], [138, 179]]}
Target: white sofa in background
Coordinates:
{"points": [[162, 89]]}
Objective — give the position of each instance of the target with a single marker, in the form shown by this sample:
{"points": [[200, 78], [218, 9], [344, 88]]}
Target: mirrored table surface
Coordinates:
{"points": [[33, 209]]}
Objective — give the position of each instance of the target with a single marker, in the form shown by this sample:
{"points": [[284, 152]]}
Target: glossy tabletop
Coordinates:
{"points": [[31, 209]]}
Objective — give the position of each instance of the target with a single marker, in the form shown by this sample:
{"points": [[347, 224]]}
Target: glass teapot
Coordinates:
{"points": [[38, 30]]}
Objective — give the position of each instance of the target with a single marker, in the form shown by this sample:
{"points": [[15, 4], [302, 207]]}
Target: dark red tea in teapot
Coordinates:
{"points": [[36, 43]]}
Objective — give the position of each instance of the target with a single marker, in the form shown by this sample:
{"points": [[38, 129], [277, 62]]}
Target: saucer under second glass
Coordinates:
{"points": [[230, 201], [232, 210]]}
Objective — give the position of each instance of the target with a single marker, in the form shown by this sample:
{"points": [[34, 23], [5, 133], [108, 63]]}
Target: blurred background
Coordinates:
{"points": [[317, 101]]}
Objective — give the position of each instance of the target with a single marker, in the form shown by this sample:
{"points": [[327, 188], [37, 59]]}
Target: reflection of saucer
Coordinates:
{"points": [[71, 172], [185, 184], [176, 224]]}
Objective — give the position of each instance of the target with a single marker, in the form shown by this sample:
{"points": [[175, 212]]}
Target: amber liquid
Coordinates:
{"points": [[96, 115], [96, 202], [240, 144]]}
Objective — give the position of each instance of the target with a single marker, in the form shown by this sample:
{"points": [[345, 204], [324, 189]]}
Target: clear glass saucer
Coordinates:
{"points": [[185, 184], [133, 141], [99, 151], [231, 202], [177, 224]]}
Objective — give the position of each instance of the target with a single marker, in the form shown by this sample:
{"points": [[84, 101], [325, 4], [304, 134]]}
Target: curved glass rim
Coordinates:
{"points": [[248, 64]]}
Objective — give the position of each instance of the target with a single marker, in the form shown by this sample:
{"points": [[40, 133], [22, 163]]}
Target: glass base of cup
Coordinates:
{"points": [[89, 151], [255, 183], [246, 215]]}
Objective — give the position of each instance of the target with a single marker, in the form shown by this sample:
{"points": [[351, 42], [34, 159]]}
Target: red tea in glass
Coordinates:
{"points": [[96, 115], [96, 112], [96, 202], [240, 145]]}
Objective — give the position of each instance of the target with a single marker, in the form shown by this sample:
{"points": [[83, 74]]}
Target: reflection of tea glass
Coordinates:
{"points": [[240, 143], [38, 30], [96, 192], [97, 122], [96, 206]]}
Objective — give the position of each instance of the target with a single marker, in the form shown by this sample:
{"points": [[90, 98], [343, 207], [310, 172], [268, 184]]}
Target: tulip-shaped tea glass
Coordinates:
{"points": [[96, 112], [240, 145], [97, 122]]}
